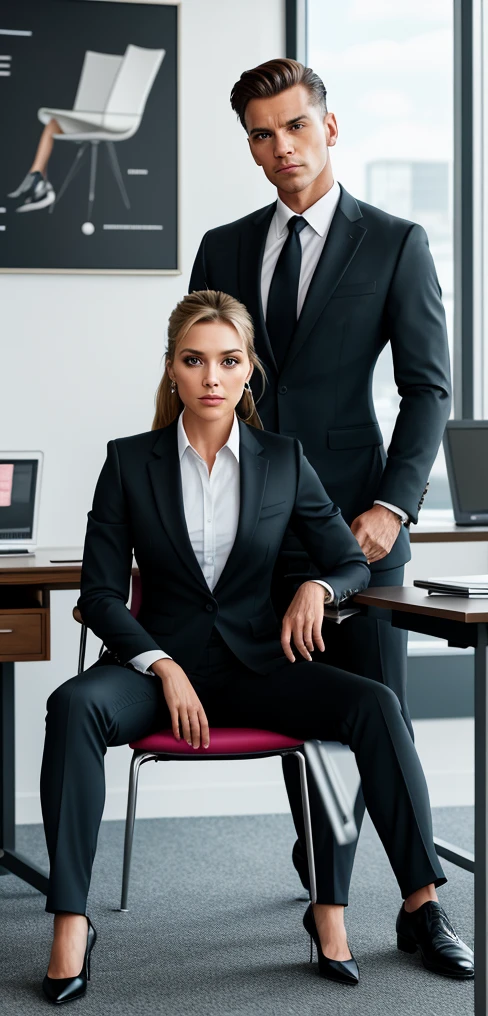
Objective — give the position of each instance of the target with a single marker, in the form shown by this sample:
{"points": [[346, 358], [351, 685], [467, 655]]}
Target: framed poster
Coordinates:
{"points": [[89, 164]]}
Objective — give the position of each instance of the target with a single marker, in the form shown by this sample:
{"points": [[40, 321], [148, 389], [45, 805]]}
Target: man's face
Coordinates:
{"points": [[289, 137]]}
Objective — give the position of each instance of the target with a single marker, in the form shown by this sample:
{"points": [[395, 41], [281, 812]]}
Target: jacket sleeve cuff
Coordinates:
{"points": [[393, 508]]}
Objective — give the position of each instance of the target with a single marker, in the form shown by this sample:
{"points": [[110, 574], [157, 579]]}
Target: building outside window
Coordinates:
{"points": [[388, 70]]}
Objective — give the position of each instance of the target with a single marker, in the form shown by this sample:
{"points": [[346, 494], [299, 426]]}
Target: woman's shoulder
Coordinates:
{"points": [[272, 441], [146, 439]]}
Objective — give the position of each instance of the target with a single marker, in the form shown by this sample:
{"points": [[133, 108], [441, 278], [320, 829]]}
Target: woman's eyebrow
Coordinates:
{"points": [[197, 352]]}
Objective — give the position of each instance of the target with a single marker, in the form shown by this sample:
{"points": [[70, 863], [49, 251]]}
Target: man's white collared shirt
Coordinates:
{"points": [[312, 238]]}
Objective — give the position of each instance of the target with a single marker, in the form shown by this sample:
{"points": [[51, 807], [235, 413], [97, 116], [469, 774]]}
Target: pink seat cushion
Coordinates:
{"points": [[223, 741]]}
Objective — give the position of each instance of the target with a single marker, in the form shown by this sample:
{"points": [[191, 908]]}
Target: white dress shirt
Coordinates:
{"points": [[312, 238], [211, 504]]}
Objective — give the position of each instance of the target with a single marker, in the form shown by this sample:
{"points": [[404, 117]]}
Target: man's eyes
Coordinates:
{"points": [[264, 135]]}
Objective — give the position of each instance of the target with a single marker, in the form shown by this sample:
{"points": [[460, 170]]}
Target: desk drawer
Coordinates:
{"points": [[22, 634]]}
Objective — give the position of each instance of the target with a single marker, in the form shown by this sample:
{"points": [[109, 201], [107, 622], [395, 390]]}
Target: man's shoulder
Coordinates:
{"points": [[374, 216]]}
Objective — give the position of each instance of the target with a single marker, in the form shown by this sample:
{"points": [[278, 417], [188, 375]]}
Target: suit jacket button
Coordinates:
{"points": [[283, 390], [209, 607]]}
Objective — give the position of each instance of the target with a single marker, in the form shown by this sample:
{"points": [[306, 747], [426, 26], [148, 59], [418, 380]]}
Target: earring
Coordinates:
{"points": [[173, 387], [247, 386]]}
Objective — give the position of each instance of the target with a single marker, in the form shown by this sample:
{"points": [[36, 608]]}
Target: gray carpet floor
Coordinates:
{"points": [[214, 927]]}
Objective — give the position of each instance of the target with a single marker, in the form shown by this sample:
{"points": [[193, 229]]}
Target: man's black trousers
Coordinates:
{"points": [[367, 645], [111, 705]]}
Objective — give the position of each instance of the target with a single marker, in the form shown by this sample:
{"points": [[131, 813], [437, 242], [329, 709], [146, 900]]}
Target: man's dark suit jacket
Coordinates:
{"points": [[138, 506], [375, 282]]}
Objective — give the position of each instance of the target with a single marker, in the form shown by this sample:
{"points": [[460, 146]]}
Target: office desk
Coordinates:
{"points": [[25, 587], [462, 622], [447, 532]]}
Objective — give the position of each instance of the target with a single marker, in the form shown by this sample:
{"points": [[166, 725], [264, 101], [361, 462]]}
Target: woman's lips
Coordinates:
{"points": [[211, 398]]}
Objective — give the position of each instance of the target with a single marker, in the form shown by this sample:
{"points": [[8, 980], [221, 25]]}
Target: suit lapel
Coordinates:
{"points": [[165, 476], [253, 242], [343, 240], [253, 471]]}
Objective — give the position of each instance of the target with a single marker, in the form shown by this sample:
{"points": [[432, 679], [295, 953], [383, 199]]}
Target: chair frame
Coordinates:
{"points": [[313, 753]]}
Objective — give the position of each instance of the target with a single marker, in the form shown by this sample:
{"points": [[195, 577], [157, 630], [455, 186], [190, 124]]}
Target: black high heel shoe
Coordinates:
{"points": [[342, 971], [64, 989]]}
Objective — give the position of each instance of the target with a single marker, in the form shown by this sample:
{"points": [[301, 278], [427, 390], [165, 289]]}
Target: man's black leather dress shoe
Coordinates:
{"points": [[429, 930], [300, 863], [341, 971], [65, 989]]}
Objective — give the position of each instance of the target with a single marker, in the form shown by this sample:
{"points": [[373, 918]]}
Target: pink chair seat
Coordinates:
{"points": [[223, 741]]}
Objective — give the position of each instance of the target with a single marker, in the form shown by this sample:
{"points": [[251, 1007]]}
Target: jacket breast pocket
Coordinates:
{"points": [[340, 438], [354, 289]]}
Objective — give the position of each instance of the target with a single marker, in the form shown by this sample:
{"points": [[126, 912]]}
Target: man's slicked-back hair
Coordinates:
{"points": [[270, 79]]}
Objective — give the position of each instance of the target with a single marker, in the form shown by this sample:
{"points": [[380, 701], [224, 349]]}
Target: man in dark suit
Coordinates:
{"points": [[334, 279]]}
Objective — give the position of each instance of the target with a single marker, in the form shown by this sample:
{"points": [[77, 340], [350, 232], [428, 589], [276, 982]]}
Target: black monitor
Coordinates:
{"points": [[466, 450]]}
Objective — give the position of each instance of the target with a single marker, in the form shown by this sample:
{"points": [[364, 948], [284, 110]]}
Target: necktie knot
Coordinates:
{"points": [[296, 224]]}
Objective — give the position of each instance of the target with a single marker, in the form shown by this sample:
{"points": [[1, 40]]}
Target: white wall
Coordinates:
{"points": [[81, 357]]}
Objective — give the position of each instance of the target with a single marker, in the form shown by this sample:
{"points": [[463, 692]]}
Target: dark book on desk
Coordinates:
{"points": [[456, 585]]}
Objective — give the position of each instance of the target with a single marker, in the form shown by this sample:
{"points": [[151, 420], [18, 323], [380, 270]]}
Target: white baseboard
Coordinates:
{"points": [[240, 798], [180, 801]]}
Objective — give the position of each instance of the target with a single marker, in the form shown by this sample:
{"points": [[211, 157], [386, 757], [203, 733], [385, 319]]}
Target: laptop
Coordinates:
{"points": [[20, 488], [466, 450]]}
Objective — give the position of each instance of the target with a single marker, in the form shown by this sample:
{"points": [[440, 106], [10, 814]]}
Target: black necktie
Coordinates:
{"points": [[281, 314]]}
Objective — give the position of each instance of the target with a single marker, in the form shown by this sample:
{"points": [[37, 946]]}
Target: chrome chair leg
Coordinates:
{"points": [[307, 821], [70, 175], [114, 163], [93, 177], [81, 655], [137, 761]]}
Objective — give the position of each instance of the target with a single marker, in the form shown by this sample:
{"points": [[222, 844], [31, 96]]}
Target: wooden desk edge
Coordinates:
{"points": [[411, 600]]}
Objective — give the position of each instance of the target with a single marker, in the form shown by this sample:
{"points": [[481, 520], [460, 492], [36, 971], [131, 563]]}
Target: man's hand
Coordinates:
{"points": [[376, 531], [303, 620], [183, 703]]}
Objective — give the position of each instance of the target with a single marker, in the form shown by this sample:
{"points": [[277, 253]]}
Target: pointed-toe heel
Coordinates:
{"points": [[65, 989], [341, 971]]}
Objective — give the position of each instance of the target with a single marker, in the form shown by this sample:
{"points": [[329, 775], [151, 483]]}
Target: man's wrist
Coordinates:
{"points": [[395, 510]]}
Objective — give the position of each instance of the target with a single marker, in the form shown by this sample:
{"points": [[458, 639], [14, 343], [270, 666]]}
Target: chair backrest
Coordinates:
{"points": [[135, 600], [97, 77], [134, 80]]}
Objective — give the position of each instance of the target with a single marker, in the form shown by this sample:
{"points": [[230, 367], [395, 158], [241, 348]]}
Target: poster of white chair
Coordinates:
{"points": [[88, 173]]}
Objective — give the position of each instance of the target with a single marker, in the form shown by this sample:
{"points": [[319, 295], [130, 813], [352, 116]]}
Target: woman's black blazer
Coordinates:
{"points": [[138, 508]]}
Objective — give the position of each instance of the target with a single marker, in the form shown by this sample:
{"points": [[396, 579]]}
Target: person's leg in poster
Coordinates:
{"points": [[36, 191]]}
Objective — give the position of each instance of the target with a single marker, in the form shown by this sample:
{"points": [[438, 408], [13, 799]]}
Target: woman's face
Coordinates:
{"points": [[210, 368]]}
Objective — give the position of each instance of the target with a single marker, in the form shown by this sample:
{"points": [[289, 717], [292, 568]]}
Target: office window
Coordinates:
{"points": [[388, 70]]}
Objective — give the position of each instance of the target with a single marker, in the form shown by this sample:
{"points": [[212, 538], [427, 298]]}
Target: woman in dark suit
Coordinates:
{"points": [[203, 500]]}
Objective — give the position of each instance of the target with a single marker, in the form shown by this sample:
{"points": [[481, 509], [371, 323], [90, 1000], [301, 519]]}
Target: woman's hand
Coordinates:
{"points": [[303, 620], [185, 708]]}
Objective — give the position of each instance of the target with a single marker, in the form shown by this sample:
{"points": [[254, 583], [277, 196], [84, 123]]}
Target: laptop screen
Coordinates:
{"points": [[18, 480], [469, 463]]}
